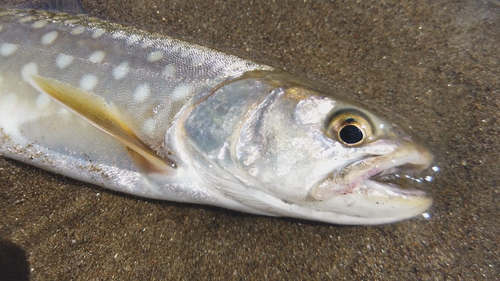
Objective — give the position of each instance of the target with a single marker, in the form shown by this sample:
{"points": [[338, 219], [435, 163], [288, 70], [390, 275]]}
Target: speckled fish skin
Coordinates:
{"points": [[206, 111], [124, 65]]}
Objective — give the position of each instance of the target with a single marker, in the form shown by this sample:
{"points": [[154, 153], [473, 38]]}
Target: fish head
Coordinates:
{"points": [[315, 156]]}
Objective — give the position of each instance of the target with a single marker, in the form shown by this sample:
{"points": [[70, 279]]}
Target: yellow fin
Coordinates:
{"points": [[94, 110]]}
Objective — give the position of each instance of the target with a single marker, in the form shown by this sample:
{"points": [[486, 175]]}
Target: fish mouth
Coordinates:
{"points": [[367, 183]]}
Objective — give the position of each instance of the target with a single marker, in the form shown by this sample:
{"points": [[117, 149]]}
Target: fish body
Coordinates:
{"points": [[150, 115]]}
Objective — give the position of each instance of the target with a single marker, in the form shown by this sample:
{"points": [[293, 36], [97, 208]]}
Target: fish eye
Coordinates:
{"points": [[350, 128], [351, 134]]}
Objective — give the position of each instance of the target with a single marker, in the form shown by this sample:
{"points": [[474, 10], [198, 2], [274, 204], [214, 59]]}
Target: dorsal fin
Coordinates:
{"points": [[68, 6], [94, 110]]}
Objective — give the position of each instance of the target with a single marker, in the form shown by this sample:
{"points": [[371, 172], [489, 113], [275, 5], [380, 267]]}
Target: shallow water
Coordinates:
{"points": [[435, 66]]}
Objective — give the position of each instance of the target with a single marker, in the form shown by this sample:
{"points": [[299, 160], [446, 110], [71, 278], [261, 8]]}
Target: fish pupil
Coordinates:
{"points": [[351, 134]]}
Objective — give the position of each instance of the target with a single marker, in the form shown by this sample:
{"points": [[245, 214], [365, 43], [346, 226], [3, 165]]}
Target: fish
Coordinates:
{"points": [[149, 115]]}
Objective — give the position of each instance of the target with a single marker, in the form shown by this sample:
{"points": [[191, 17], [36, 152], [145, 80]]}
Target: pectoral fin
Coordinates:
{"points": [[94, 110]]}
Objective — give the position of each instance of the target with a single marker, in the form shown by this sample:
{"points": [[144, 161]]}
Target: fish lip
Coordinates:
{"points": [[409, 158]]}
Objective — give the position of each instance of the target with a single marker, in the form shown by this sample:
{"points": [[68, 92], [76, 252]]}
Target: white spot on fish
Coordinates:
{"points": [[121, 71], [155, 56], [98, 33], [26, 19], [39, 24], [182, 91], [8, 49], [141, 92], [42, 101], [97, 56], [149, 126], [8, 101], [169, 70], [78, 30], [88, 82], [28, 70], [49, 37], [63, 61]]}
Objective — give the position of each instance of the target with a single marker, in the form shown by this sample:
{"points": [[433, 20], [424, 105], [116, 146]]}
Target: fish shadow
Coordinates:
{"points": [[14, 263]]}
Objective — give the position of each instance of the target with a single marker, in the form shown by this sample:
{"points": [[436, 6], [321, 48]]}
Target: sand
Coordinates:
{"points": [[434, 65]]}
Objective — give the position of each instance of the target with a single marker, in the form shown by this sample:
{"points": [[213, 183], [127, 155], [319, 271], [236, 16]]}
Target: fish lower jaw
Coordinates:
{"points": [[392, 190]]}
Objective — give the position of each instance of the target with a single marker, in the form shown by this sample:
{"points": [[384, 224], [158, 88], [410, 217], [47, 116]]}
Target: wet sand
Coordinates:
{"points": [[434, 66]]}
